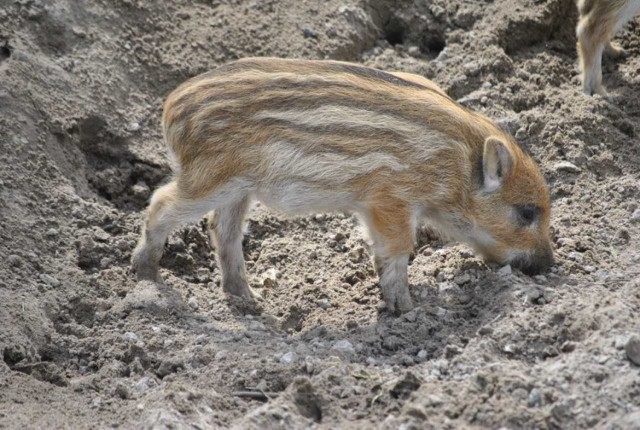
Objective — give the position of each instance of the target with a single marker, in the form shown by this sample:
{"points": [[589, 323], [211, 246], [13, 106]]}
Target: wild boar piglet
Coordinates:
{"points": [[322, 136]]}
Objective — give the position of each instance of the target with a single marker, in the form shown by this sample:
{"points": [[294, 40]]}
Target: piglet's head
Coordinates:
{"points": [[511, 208]]}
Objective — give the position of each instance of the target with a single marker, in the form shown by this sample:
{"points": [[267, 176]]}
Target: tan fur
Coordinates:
{"points": [[305, 136], [599, 21]]}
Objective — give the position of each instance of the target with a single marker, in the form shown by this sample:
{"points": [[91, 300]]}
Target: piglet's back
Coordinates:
{"points": [[236, 119]]}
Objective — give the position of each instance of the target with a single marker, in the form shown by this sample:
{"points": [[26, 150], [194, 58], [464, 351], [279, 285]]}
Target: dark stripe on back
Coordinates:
{"points": [[371, 73]]}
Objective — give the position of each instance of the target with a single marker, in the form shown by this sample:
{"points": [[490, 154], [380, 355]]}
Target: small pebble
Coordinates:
{"points": [[323, 303], [288, 358], [414, 51], [565, 166], [620, 342], [484, 331], [505, 270], [462, 279], [193, 303], [256, 325], [269, 278], [307, 32], [576, 256], [422, 354], [535, 397], [141, 190], [222, 354], [52, 232], [635, 216], [101, 235], [122, 391], [632, 348], [49, 280], [309, 364], [510, 348], [15, 260], [451, 351], [130, 337], [344, 346]]}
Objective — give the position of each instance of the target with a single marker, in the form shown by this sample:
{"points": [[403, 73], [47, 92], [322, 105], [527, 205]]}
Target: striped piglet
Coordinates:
{"points": [[317, 136]]}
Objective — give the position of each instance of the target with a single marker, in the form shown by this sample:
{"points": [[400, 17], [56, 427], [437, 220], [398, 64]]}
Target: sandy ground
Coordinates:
{"points": [[85, 346]]}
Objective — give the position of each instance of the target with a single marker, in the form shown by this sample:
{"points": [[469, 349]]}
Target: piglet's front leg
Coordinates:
{"points": [[394, 283], [392, 230]]}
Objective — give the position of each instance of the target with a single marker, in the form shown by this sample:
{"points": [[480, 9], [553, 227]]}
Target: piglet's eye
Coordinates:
{"points": [[527, 214]]}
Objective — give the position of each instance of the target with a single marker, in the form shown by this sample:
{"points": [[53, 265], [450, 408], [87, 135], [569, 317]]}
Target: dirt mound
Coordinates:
{"points": [[85, 346]]}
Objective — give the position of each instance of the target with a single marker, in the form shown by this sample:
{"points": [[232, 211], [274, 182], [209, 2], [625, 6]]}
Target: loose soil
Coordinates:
{"points": [[85, 346]]}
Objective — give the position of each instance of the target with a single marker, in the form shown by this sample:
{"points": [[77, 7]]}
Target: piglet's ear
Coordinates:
{"points": [[497, 163]]}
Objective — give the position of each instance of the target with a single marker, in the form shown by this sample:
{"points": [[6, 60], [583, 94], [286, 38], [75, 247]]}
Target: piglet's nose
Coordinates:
{"points": [[541, 261]]}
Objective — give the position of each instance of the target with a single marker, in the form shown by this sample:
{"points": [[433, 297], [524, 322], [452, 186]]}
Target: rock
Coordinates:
{"points": [[535, 296], [141, 190], [130, 337], [356, 255], [169, 366], [576, 256], [351, 325], [307, 32], [462, 279], [510, 124], [422, 354], [344, 346], [52, 232], [620, 342], [485, 331], [122, 391], [309, 364], [451, 351], [269, 278], [535, 398], [632, 348], [414, 51], [15, 260], [143, 384], [510, 348], [505, 270], [79, 32], [288, 358], [404, 386], [101, 235], [635, 216], [392, 342], [256, 325], [134, 126], [222, 354], [323, 303], [49, 280], [565, 166], [193, 303]]}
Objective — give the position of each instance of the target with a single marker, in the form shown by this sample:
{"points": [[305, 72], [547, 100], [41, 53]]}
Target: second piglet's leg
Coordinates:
{"points": [[393, 233], [226, 231]]}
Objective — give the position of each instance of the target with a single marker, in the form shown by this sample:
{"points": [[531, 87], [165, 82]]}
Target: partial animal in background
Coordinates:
{"points": [[599, 21], [316, 136]]}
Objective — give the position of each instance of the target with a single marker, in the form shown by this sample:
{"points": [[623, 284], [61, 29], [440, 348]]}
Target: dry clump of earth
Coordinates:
{"points": [[85, 346]]}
